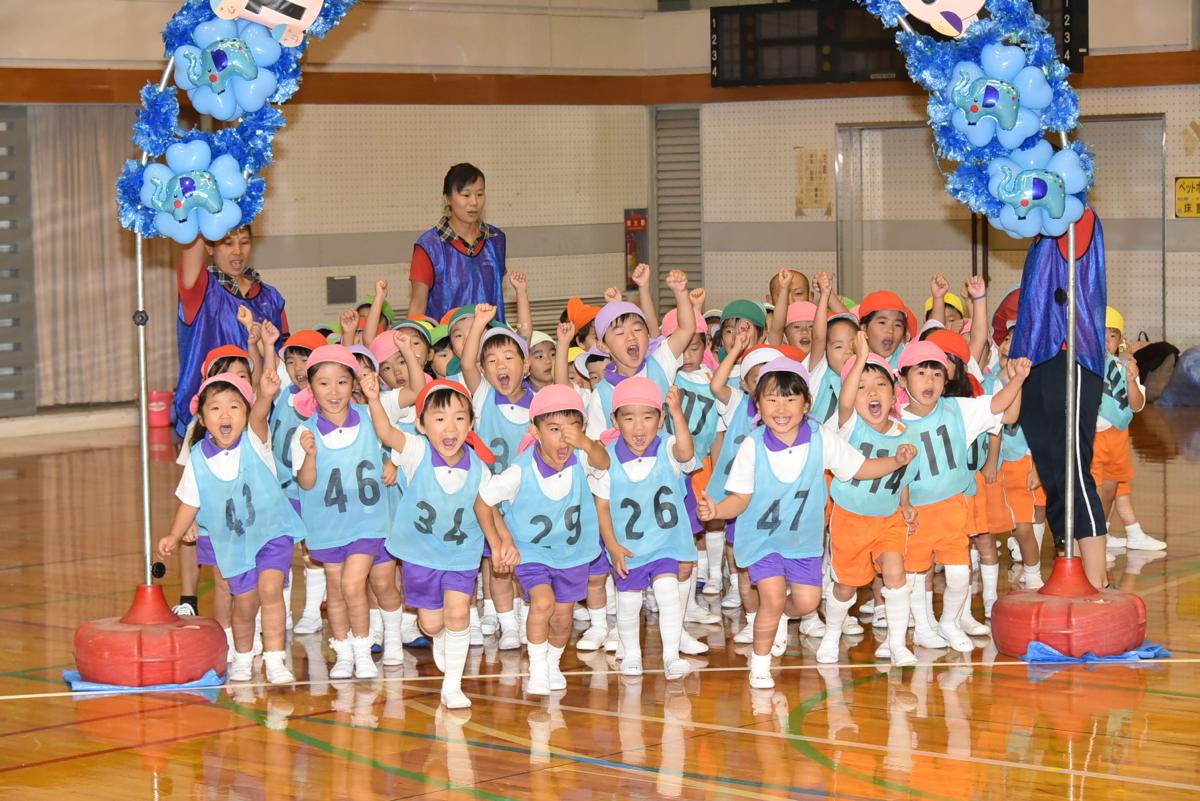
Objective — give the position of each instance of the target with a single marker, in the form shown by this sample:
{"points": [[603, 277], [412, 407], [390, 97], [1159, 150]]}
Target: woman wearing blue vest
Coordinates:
{"points": [[460, 260]]}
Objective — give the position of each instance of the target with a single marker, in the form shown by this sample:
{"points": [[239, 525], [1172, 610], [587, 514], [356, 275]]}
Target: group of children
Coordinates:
{"points": [[787, 454]]}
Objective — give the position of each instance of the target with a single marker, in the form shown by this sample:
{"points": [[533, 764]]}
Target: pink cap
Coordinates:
{"points": [[338, 354], [872, 358], [784, 365], [917, 352], [636, 391], [670, 322], [359, 350], [966, 326], [222, 378], [801, 312], [555, 398], [384, 346], [613, 310]]}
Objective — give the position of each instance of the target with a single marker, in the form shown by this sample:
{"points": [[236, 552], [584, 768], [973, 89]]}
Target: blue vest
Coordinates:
{"points": [[878, 497], [459, 279], [783, 518], [284, 422], [605, 389], [1114, 402], [560, 532], [501, 435], [700, 408], [1013, 446], [649, 517], [941, 461], [216, 324], [438, 529], [894, 359], [738, 430], [826, 395], [242, 515], [346, 503]]}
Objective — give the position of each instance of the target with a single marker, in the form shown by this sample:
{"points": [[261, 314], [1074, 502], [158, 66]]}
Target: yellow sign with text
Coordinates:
{"points": [[1187, 198]]}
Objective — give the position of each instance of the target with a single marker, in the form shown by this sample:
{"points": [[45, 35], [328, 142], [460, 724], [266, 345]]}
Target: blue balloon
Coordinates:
{"points": [[226, 73], [999, 98], [1039, 190], [194, 193]]}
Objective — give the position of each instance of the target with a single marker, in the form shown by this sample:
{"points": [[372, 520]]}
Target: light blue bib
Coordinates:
{"points": [[438, 529], [1114, 402], [649, 516], [826, 395], [605, 389], [739, 427], [878, 497], [560, 532], [501, 435], [284, 422], [1013, 446], [942, 454], [700, 409]]}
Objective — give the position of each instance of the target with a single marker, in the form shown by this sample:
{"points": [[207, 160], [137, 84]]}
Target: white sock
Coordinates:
{"points": [[957, 594], [1134, 530], [598, 618], [896, 602], [554, 666], [920, 612], [687, 593], [991, 579], [714, 546], [629, 623], [670, 616], [1033, 572], [489, 607], [1039, 533], [314, 591], [456, 644], [408, 621], [508, 620]]}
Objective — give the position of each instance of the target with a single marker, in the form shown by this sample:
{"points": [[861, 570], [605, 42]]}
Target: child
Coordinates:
{"points": [[944, 306], [738, 318], [393, 370], [442, 356], [551, 515], [888, 323], [1123, 396], [493, 366], [832, 345], [867, 533], [777, 489], [583, 317], [797, 291], [439, 527], [542, 353], [624, 334], [230, 491], [935, 504], [1019, 478], [644, 522], [338, 462]]}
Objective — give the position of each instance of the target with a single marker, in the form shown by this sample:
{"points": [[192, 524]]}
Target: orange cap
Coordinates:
{"points": [[309, 340], [223, 352], [884, 300], [951, 343], [580, 313]]}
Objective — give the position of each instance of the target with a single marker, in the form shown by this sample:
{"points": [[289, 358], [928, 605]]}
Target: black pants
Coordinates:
{"points": [[1044, 421]]}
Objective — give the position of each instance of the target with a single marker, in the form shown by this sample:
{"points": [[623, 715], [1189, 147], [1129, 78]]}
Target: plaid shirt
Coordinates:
{"points": [[448, 235], [230, 283]]}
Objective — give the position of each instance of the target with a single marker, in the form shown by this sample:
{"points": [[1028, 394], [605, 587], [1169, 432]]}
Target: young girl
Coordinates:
{"points": [[888, 323], [542, 352], [1020, 479], [832, 345], [439, 527], [644, 521], [777, 489], [867, 533], [338, 462], [229, 490], [551, 516], [935, 506]]}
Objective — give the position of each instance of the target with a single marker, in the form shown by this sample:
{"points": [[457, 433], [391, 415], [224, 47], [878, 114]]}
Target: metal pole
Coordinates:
{"points": [[140, 318], [1072, 389]]}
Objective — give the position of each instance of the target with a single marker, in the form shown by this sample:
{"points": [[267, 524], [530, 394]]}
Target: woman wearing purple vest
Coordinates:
{"points": [[461, 259], [215, 280]]}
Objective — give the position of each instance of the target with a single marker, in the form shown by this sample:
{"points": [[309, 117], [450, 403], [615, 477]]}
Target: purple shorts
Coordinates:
{"points": [[796, 571], [205, 554], [424, 586], [569, 584], [371, 547], [642, 578], [275, 555], [600, 566], [295, 502], [730, 530], [689, 503]]}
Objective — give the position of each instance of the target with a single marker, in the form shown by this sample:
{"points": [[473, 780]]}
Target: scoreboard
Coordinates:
{"points": [[836, 41]]}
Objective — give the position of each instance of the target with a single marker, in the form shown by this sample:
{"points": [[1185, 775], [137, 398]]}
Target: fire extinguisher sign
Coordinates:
{"points": [[637, 243]]}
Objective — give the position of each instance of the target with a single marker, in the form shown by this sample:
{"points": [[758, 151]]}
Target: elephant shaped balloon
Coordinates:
{"points": [[1037, 188], [1000, 97], [227, 72], [193, 192]]}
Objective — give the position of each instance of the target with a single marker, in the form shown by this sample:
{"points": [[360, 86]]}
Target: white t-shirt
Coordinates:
{"points": [[512, 412], [976, 414], [506, 485], [224, 466], [339, 437], [638, 468], [837, 456], [185, 450], [451, 479], [663, 357], [846, 431], [390, 401], [726, 410]]}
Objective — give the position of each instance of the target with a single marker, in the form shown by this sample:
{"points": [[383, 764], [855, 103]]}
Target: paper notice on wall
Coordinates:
{"points": [[813, 183]]}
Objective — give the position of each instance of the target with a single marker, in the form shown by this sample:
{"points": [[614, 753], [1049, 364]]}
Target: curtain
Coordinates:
{"points": [[84, 284]]}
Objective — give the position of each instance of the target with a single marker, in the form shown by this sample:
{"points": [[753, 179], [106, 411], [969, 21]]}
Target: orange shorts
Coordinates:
{"points": [[829, 499], [857, 542], [1015, 478], [1123, 489], [1111, 457], [702, 476], [1039, 497], [941, 533], [989, 512]]}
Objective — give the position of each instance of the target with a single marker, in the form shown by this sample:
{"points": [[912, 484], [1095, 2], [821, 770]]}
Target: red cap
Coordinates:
{"points": [[309, 340], [884, 300], [223, 352]]}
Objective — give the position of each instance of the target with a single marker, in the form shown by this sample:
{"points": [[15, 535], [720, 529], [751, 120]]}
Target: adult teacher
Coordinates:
{"points": [[460, 260], [215, 280]]}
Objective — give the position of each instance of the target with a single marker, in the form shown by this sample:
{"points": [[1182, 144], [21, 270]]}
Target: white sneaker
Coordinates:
{"points": [[509, 641], [956, 637], [580, 614], [733, 598], [364, 664], [712, 585], [454, 699], [760, 672], [489, 625], [882, 651], [309, 624], [852, 626], [241, 668], [746, 634], [811, 625], [690, 646], [650, 603], [184, 610], [475, 627], [879, 618], [631, 665], [612, 641], [276, 669], [592, 639], [677, 669], [928, 638], [343, 664], [830, 649], [1116, 542], [1144, 542], [702, 615], [866, 609], [970, 626]]}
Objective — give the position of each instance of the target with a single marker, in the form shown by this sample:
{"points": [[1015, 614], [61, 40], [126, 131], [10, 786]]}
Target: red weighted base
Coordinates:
{"points": [[1069, 615], [149, 645]]}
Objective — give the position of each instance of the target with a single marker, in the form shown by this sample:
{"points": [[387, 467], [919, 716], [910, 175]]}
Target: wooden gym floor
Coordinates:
{"points": [[984, 728]]}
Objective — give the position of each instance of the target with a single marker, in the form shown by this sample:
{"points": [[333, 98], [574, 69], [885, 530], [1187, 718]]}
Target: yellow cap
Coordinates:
{"points": [[1113, 319], [574, 353], [951, 300]]}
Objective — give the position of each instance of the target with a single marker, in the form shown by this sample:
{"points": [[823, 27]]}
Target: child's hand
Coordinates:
{"points": [[270, 334], [254, 335], [641, 275], [699, 296], [166, 547], [574, 437], [1018, 369], [245, 317], [390, 473], [192, 534], [1131, 371], [862, 348], [705, 508], [677, 281], [307, 442], [368, 382], [909, 513], [824, 283], [674, 401], [506, 557], [349, 321], [975, 287], [519, 281], [1033, 481], [783, 282], [566, 334], [269, 384], [938, 286], [990, 473], [742, 341], [612, 295], [905, 454], [381, 289], [485, 313], [618, 556], [404, 345]]}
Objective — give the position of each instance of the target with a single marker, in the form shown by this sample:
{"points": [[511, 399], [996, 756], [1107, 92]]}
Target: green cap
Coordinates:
{"points": [[461, 313], [420, 328], [745, 310], [438, 333]]}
